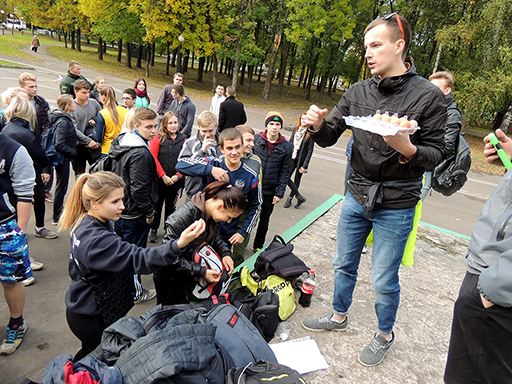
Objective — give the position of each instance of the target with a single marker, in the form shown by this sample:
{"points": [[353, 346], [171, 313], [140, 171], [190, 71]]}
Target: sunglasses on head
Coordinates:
{"points": [[387, 17]]}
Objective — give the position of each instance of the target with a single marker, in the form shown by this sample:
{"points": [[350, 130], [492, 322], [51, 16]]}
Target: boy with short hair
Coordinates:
{"points": [[230, 168], [217, 99], [205, 143]]}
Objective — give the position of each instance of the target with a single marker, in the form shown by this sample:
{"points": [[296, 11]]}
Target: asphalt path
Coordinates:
{"points": [[48, 334]]}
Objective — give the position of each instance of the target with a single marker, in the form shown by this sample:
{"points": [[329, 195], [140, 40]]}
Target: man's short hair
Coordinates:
{"points": [[231, 91], [144, 113], [179, 89], [81, 84], [131, 92], [230, 134], [245, 129], [395, 32], [177, 74], [24, 77], [206, 118], [73, 63], [220, 85], [444, 75]]}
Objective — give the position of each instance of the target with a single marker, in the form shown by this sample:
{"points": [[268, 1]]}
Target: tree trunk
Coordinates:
{"points": [[323, 83], [306, 77], [273, 57], [221, 64], [139, 56], [174, 55], [100, 48], [73, 43], [185, 61], [312, 70], [120, 50], [153, 50], [215, 75], [438, 57], [192, 59], [128, 62], [301, 76], [148, 59], [507, 119], [234, 80], [207, 66], [242, 74], [104, 47], [168, 63], [285, 48], [250, 72], [259, 73], [200, 69], [65, 39], [79, 39]]}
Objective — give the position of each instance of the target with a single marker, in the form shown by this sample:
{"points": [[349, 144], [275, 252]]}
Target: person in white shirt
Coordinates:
{"points": [[217, 99]]}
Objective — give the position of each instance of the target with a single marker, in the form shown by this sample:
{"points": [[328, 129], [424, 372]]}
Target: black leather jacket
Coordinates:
{"points": [[452, 127], [382, 176]]}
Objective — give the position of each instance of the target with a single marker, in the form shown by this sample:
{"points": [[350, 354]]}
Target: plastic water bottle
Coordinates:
{"points": [[306, 291]]}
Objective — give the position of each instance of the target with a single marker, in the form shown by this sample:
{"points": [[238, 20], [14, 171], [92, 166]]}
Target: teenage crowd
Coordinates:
{"points": [[229, 176]]}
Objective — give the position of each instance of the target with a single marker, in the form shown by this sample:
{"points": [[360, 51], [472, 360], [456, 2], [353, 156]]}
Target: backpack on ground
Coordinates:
{"points": [[238, 336], [264, 372], [54, 156], [278, 259], [104, 163], [206, 256], [451, 175]]}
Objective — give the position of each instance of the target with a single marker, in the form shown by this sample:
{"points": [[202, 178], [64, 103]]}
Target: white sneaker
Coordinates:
{"points": [[29, 281], [36, 265]]}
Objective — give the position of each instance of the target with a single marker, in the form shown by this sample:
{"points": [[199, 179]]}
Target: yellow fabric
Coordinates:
{"points": [[283, 288], [410, 247], [111, 129]]}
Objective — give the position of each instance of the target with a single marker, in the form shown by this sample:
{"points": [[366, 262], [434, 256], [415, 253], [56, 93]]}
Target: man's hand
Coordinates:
{"points": [[45, 177], [220, 174], [491, 156], [303, 170], [402, 143], [212, 276], [92, 122], [236, 239], [167, 180], [93, 145], [315, 116], [486, 303], [206, 143], [228, 264], [276, 200], [150, 219], [191, 233]]}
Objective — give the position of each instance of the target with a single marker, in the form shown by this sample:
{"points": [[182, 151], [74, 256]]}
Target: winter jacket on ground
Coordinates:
{"points": [[101, 253], [275, 164], [231, 113], [490, 250], [186, 112], [135, 164], [17, 177], [193, 149], [65, 134], [19, 130], [382, 176]]}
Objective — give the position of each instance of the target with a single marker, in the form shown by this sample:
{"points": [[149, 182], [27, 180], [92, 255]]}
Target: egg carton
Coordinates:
{"points": [[368, 123]]}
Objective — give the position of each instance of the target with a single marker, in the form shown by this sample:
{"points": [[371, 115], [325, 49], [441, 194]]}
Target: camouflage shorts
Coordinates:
{"points": [[14, 260]]}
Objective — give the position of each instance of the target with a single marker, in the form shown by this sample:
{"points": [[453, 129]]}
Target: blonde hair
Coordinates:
{"points": [[24, 77], [10, 93], [245, 129], [144, 113], [88, 187], [64, 101], [443, 75], [110, 103], [97, 80], [22, 108], [129, 121], [206, 118], [162, 132]]}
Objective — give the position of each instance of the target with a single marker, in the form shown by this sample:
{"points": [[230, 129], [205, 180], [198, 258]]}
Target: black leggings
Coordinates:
{"points": [[88, 329]]}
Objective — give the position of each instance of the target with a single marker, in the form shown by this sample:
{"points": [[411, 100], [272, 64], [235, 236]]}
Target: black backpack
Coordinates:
{"points": [[104, 163], [264, 372], [278, 259], [451, 175]]}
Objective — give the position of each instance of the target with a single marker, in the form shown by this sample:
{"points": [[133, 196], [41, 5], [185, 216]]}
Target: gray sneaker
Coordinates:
{"points": [[375, 352], [324, 323], [46, 233]]}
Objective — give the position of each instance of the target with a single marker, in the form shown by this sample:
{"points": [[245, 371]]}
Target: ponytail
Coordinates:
{"points": [[87, 188], [232, 197]]}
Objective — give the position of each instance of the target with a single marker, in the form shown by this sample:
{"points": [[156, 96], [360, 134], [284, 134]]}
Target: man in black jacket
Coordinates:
{"points": [[135, 164], [231, 112], [385, 186]]}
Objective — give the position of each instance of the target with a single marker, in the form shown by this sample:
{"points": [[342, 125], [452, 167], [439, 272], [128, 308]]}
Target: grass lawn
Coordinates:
{"points": [[291, 101], [8, 64]]}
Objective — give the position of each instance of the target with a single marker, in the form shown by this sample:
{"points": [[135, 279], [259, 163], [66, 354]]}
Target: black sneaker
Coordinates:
{"points": [[376, 351], [300, 200], [288, 203], [152, 236]]}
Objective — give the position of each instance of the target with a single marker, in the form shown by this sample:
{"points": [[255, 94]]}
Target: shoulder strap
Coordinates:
{"points": [[81, 273]]}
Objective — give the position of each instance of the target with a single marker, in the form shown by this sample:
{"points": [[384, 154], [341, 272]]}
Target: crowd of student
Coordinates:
{"points": [[231, 181]]}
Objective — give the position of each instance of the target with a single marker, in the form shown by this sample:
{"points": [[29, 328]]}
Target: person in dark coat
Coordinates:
{"points": [[302, 152], [232, 112]]}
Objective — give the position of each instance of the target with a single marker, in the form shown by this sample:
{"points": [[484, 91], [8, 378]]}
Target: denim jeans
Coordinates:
{"points": [[391, 229]]}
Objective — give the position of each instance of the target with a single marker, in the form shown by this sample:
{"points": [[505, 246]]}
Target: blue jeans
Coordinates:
{"points": [[391, 229]]}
